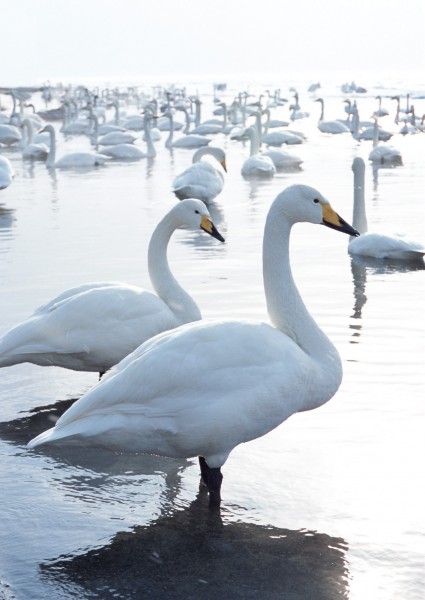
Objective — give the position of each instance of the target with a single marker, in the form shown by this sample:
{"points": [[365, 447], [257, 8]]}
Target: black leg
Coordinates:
{"points": [[204, 470], [212, 477]]}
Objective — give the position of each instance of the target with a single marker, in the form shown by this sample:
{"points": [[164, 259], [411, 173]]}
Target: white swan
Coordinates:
{"points": [[117, 137], [201, 180], [130, 151], [202, 389], [9, 134], [377, 245], [93, 326], [257, 165], [36, 151], [334, 126], [381, 154], [73, 159], [7, 172], [186, 141]]}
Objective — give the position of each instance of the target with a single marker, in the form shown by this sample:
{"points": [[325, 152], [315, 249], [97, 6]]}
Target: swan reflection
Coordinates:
{"points": [[193, 554], [89, 476]]}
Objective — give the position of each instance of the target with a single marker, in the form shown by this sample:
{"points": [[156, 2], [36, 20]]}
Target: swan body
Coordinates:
{"points": [[277, 138], [36, 151], [377, 245], [124, 152], [117, 137], [93, 326], [189, 141], [381, 154], [6, 172], [9, 134], [283, 160], [73, 159], [130, 151], [334, 126], [257, 165], [201, 180], [238, 380]]}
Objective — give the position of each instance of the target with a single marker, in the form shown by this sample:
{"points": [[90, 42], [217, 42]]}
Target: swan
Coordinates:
{"points": [[130, 151], [73, 159], [257, 165], [93, 326], [6, 172], [206, 387], [201, 180], [377, 245], [283, 160], [32, 150], [380, 112], [9, 134], [117, 137], [186, 141], [330, 126], [381, 154]]}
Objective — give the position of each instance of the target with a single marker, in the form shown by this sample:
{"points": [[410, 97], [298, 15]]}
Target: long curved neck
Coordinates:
{"points": [[169, 140], [359, 206], [163, 281], [148, 137], [375, 133], [285, 306], [255, 144], [322, 112], [52, 146]]}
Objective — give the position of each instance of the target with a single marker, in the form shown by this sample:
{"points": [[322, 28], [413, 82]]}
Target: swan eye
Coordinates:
{"points": [[316, 201], [196, 212]]}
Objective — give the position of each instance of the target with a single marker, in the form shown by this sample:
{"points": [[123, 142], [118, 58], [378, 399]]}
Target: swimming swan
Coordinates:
{"points": [[203, 388], [73, 159], [256, 165], [7, 172], [93, 326], [377, 245], [201, 180]]}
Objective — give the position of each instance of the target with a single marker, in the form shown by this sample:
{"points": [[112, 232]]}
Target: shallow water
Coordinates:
{"points": [[328, 505]]}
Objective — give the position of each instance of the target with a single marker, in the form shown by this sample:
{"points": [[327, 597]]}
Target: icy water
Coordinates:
{"points": [[328, 505]]}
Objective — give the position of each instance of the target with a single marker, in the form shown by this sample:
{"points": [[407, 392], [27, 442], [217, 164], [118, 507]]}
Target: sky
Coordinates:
{"points": [[107, 40]]}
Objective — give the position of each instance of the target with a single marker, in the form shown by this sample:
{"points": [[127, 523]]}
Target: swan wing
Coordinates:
{"points": [[199, 389], [91, 330]]}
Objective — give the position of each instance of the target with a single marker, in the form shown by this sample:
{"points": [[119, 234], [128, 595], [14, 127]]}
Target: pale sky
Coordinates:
{"points": [[69, 40]]}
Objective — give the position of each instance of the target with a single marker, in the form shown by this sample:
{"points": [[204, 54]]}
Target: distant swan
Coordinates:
{"points": [[186, 141], [334, 126], [382, 154], [93, 326], [73, 159], [257, 165], [6, 172], [206, 387], [35, 151], [377, 245], [131, 151], [201, 180]]}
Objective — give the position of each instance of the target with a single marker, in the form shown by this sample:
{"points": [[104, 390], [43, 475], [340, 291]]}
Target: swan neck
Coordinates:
{"points": [[147, 129], [52, 146], [285, 306], [164, 283], [359, 205]]}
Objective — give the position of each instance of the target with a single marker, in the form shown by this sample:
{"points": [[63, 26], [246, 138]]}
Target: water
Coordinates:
{"points": [[328, 505]]}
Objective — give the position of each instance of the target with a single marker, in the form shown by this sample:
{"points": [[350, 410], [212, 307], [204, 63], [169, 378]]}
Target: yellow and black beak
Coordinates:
{"points": [[223, 164], [208, 226], [333, 220]]}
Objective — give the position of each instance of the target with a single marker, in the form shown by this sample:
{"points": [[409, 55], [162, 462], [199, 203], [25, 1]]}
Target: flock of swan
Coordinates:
{"points": [[239, 379]]}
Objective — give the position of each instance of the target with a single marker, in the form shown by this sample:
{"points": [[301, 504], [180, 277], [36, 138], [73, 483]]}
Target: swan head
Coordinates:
{"points": [[302, 203], [214, 151], [193, 214]]}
